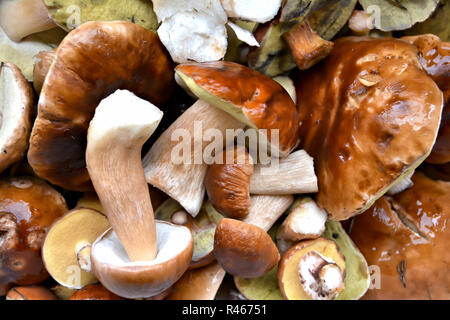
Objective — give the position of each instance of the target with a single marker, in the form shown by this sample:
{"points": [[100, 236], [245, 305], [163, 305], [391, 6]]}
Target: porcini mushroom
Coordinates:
{"points": [[30, 293], [365, 135], [44, 60], [28, 206], [66, 251], [243, 249], [94, 292], [312, 270], [137, 258], [16, 111], [407, 237], [20, 18], [82, 74]]}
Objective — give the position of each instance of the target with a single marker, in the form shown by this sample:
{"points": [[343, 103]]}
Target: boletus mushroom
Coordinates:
{"points": [[94, 291], [28, 207], [373, 119], [137, 258], [16, 110], [30, 293], [82, 74], [406, 236]]}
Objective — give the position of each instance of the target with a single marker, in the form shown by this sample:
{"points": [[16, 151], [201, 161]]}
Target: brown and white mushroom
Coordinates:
{"points": [[20, 18], [67, 248], [246, 98], [28, 207], [16, 111], [137, 258], [83, 73], [372, 121]]}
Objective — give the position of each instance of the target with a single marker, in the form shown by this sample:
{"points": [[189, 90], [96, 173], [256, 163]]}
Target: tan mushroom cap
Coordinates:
{"points": [[143, 279], [62, 250], [83, 73], [407, 237], [249, 96], [373, 117], [28, 207], [16, 109]]}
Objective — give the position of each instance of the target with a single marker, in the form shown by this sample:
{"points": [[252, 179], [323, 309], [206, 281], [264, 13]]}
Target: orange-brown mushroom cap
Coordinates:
{"points": [[143, 279], [264, 103], [406, 236], [92, 62], [369, 114]]}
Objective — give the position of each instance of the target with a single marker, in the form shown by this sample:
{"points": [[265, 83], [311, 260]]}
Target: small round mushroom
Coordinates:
{"points": [[67, 247], [227, 182], [28, 206], [16, 110], [137, 258], [94, 292], [83, 73], [244, 250], [30, 293]]}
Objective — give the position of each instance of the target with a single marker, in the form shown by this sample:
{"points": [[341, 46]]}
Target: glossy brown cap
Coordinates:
{"points": [[435, 59], [369, 114], [44, 60], [228, 182], [94, 292], [264, 103], [92, 62], [28, 207], [244, 250], [407, 237], [17, 110], [30, 293]]}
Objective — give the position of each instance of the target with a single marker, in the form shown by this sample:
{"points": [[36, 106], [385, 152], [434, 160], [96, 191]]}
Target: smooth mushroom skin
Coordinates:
{"points": [[28, 206], [262, 100], [227, 184], [82, 75], [244, 250], [17, 109], [407, 237], [94, 292], [374, 115], [435, 59], [30, 293], [44, 60]]}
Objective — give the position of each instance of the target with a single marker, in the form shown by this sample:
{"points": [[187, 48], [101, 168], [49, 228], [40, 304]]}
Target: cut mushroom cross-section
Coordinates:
{"points": [[137, 258]]}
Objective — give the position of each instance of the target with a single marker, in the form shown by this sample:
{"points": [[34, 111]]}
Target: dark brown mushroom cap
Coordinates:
{"points": [[407, 237], [28, 206], [369, 113], [435, 59], [15, 136], [265, 103], [92, 62], [94, 292]]}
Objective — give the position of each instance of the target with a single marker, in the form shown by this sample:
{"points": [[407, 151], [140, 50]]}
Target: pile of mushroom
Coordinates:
{"points": [[150, 148]]}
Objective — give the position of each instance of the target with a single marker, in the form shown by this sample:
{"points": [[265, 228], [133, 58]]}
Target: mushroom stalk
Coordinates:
{"points": [[121, 124], [291, 175], [321, 278], [20, 18], [307, 47]]}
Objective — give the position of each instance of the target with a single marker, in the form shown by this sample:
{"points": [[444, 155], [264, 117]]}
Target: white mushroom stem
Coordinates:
{"points": [[121, 124], [20, 18], [305, 221], [321, 278], [403, 184], [291, 175], [176, 164], [84, 257]]}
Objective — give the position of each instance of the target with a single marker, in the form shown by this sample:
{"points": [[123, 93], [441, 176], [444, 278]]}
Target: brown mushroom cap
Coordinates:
{"points": [[244, 250], [369, 115], [83, 73], [44, 60], [143, 279], [94, 292], [407, 237], [28, 206], [435, 59], [248, 95], [30, 293], [16, 109], [227, 184]]}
